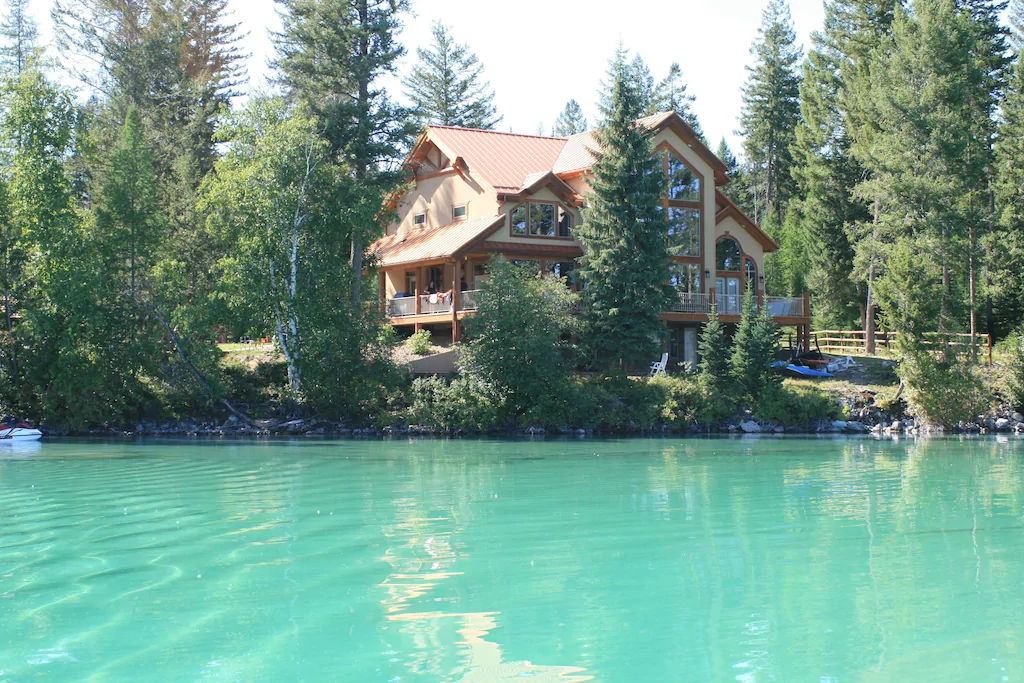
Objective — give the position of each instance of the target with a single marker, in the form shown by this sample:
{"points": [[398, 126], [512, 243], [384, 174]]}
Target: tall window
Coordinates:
{"points": [[750, 272], [685, 277], [682, 203], [728, 256]]}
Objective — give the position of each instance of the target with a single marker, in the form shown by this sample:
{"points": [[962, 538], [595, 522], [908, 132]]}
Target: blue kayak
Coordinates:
{"points": [[808, 372]]}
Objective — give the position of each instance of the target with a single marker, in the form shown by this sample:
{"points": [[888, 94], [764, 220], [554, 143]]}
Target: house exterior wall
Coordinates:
{"points": [[437, 195]]}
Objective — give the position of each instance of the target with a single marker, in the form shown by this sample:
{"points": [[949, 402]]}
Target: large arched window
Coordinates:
{"points": [[750, 272], [728, 256]]}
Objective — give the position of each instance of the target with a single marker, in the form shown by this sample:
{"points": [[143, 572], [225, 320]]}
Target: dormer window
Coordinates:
{"points": [[419, 219], [541, 219], [459, 211]]}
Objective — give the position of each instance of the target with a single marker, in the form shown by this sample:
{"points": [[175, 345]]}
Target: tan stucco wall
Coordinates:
{"points": [[436, 196]]}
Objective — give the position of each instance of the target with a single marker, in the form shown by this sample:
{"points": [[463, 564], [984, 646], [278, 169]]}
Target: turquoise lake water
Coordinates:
{"points": [[797, 559]]}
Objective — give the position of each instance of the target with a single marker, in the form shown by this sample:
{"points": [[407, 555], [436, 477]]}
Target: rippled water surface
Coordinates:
{"points": [[634, 560]]}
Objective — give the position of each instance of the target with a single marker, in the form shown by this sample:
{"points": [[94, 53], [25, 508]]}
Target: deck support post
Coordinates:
{"points": [[456, 295]]}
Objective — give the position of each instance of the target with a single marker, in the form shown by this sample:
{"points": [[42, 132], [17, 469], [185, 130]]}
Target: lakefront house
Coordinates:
{"points": [[476, 193]]}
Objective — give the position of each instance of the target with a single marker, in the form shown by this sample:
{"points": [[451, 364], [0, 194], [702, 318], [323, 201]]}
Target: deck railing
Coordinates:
{"points": [[729, 304], [435, 304], [785, 306], [399, 308], [693, 302], [467, 301]]}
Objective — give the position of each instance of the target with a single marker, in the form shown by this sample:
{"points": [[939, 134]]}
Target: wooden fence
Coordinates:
{"points": [[854, 342]]}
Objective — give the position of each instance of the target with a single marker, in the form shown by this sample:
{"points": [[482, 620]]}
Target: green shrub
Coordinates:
{"points": [[1015, 376], [419, 343], [941, 386], [797, 405], [462, 404]]}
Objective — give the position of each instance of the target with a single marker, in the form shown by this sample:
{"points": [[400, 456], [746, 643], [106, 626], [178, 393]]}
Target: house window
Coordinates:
{"points": [[683, 231], [683, 183], [728, 256], [519, 220], [459, 212], [542, 220], [685, 277], [750, 271], [419, 219], [564, 223]]}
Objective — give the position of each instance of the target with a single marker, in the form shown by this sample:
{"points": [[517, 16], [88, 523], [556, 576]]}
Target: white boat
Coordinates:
{"points": [[19, 432]]}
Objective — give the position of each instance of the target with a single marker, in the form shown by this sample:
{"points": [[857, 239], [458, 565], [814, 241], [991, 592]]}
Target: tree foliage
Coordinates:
{"points": [[446, 86], [754, 349], [570, 121], [624, 233]]}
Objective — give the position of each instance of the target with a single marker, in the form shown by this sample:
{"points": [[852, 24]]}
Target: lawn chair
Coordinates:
{"points": [[841, 364], [658, 367]]}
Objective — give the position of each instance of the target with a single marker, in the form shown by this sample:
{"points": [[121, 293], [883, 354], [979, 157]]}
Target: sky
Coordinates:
{"points": [[537, 54]]}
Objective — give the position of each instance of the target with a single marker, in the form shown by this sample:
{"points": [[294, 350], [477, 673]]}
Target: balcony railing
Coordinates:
{"points": [[729, 304], [785, 306], [467, 301], [693, 302], [399, 308]]}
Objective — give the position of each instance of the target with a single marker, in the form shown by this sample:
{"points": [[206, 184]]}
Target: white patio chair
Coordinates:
{"points": [[658, 367]]}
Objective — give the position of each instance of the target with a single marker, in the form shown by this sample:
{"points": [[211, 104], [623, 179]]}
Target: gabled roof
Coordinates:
{"points": [[428, 244], [502, 160], [731, 209]]}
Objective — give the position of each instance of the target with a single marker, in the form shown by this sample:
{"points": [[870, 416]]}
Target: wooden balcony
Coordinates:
{"points": [[690, 307]]}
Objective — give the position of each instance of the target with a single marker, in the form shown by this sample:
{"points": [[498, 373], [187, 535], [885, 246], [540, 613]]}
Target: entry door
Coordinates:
{"points": [[727, 292]]}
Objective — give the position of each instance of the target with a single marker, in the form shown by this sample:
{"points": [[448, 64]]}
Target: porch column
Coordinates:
{"points": [[419, 288], [456, 295], [383, 293]]}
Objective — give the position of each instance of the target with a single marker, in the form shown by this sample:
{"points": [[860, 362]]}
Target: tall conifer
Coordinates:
{"points": [[571, 121], [625, 262], [446, 86], [771, 108]]}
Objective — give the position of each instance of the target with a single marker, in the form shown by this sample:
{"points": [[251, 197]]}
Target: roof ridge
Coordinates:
{"points": [[495, 132]]}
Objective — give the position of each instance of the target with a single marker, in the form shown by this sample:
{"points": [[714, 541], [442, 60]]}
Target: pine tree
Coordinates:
{"points": [[1016, 19], [20, 37], [826, 173], [332, 56], [754, 348], [715, 368], [129, 218], [1006, 270], [771, 107], [670, 95], [641, 75], [623, 233], [732, 164], [571, 121], [446, 85]]}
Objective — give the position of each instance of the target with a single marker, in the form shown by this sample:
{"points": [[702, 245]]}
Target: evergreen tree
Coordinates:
{"points": [[771, 109], [446, 85], [754, 348], [332, 56], [128, 217], [571, 121], [715, 367], [1006, 270], [641, 75], [732, 164], [623, 234], [20, 37], [670, 95], [1016, 19]]}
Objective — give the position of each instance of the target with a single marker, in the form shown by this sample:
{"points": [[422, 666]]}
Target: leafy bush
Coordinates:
{"points": [[463, 404], [419, 343], [942, 387], [1015, 376], [797, 405]]}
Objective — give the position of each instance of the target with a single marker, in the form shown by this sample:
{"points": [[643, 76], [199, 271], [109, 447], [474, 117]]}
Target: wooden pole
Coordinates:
{"points": [[456, 294]]}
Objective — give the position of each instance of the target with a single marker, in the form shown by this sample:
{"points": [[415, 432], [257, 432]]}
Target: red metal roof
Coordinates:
{"points": [[427, 244], [503, 160]]}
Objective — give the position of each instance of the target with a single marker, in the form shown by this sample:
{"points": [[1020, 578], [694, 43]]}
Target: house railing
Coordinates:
{"points": [[729, 304], [401, 307], [435, 303], [467, 300], [785, 306], [693, 302]]}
